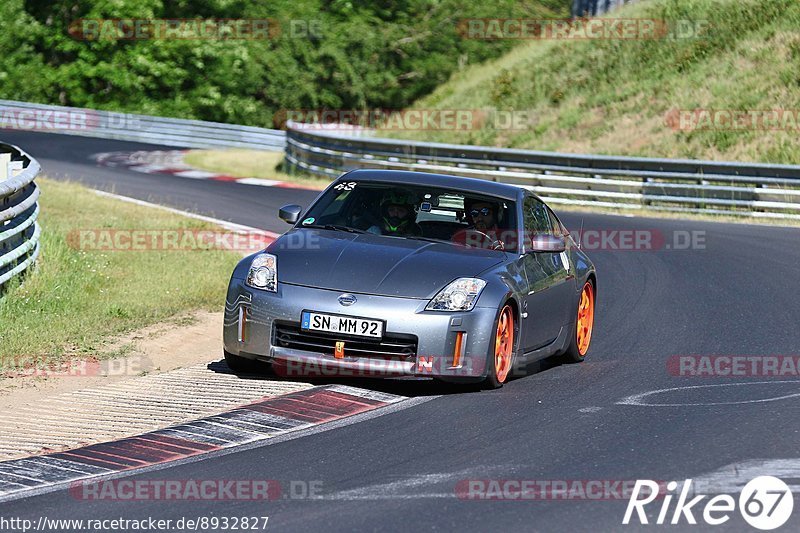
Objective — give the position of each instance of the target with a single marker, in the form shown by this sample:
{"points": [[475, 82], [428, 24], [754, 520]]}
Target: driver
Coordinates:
{"points": [[483, 231], [398, 217]]}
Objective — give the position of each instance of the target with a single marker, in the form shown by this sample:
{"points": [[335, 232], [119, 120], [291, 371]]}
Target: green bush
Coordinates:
{"points": [[367, 55]]}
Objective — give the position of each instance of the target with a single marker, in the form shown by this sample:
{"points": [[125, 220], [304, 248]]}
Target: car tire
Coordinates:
{"points": [[240, 364], [500, 359], [584, 324]]}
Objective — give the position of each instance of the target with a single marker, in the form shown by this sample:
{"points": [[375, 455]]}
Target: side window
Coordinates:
{"points": [[537, 219], [557, 227]]}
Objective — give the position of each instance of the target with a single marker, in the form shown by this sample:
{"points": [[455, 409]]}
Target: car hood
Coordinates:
{"points": [[371, 264]]}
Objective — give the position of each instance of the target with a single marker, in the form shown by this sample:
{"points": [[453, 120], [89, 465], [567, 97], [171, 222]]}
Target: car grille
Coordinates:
{"points": [[392, 346]]}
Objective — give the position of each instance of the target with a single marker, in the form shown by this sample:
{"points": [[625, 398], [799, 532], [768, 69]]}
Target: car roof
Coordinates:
{"points": [[461, 183]]}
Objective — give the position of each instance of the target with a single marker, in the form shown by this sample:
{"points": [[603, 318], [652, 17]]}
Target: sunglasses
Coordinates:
{"points": [[486, 211]]}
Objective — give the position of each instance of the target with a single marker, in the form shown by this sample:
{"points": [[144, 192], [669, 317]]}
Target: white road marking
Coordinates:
{"points": [[258, 181], [729, 479], [732, 478], [402, 489], [639, 399], [366, 393], [168, 162], [195, 174], [224, 223], [147, 169]]}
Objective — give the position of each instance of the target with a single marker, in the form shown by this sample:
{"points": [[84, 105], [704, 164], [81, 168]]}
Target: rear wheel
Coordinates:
{"points": [[584, 323], [502, 357]]}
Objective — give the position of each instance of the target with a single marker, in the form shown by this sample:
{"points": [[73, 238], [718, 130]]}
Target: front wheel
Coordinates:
{"points": [[584, 323], [502, 357]]}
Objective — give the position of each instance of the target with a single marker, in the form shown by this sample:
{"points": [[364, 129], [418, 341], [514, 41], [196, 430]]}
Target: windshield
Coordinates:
{"points": [[417, 212]]}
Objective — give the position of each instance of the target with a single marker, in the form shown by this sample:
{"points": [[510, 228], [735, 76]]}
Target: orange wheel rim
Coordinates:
{"points": [[503, 344], [585, 319]]}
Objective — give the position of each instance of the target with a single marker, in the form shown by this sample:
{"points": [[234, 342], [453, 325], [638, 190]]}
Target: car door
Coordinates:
{"points": [[548, 297]]}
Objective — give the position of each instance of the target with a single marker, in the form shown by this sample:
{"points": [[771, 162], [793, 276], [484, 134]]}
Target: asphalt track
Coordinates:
{"points": [[737, 295]]}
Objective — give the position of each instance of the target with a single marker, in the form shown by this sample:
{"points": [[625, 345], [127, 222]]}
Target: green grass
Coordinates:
{"points": [[250, 164], [612, 96], [74, 302]]}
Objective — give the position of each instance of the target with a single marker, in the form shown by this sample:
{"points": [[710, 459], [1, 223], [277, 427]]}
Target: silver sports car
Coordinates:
{"points": [[393, 273]]}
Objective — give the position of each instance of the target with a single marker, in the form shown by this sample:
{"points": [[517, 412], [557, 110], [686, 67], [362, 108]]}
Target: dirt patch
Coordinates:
{"points": [[193, 339]]}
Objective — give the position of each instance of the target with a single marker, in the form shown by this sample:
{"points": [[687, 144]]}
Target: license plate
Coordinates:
{"points": [[344, 325]]}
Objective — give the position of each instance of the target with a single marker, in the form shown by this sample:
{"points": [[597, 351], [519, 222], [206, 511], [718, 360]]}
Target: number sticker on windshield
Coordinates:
{"points": [[349, 186]]}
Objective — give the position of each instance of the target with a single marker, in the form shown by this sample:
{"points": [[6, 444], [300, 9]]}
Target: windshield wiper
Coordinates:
{"points": [[335, 227], [430, 239]]}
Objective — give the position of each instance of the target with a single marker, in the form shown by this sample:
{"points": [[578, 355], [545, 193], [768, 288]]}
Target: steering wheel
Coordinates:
{"points": [[496, 244]]}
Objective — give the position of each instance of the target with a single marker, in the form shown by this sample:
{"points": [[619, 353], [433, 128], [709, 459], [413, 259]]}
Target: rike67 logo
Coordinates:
{"points": [[765, 503]]}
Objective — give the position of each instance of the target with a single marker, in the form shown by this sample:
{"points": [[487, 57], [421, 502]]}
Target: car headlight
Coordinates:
{"points": [[263, 273], [459, 295]]}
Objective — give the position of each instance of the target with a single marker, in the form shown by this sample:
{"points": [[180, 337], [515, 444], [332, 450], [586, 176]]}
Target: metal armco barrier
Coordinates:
{"points": [[19, 231], [749, 189], [590, 8], [141, 128]]}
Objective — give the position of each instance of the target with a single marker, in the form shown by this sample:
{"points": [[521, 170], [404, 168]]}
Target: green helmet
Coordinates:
{"points": [[399, 198]]}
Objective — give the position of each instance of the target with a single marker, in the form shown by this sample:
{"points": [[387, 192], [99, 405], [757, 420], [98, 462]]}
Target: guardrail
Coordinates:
{"points": [[747, 189], [590, 8], [141, 128], [19, 231]]}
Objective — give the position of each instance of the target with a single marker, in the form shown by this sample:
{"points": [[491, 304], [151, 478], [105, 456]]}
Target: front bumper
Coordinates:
{"points": [[252, 316]]}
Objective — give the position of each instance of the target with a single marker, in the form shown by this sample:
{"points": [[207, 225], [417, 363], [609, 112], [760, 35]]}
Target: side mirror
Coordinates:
{"points": [[290, 213], [547, 243]]}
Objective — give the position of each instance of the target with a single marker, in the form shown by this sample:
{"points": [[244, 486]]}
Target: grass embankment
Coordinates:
{"points": [[250, 164], [75, 302], [613, 96]]}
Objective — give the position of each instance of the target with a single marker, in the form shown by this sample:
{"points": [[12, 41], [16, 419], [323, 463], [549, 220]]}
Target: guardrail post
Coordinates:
{"points": [[5, 164], [14, 168]]}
